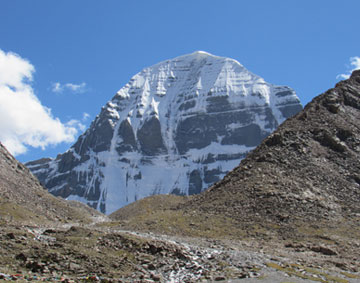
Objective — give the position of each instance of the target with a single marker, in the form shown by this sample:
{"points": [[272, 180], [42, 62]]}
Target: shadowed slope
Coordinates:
{"points": [[23, 199]]}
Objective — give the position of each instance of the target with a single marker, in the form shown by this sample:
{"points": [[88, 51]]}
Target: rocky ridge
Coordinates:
{"points": [[24, 200], [306, 170]]}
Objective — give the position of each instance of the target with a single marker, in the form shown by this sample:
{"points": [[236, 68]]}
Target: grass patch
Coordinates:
{"points": [[175, 222], [319, 272], [349, 275], [13, 212], [306, 273]]}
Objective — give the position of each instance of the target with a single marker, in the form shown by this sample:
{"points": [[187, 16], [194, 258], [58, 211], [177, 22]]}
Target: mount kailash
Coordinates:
{"points": [[176, 127]]}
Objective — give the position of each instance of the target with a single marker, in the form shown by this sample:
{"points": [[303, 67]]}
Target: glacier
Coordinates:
{"points": [[176, 127]]}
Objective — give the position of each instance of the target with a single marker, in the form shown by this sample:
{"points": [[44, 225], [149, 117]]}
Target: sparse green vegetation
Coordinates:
{"points": [[349, 275], [12, 212], [306, 273]]}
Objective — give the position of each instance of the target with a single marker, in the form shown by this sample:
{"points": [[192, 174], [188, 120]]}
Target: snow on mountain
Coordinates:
{"points": [[176, 127]]}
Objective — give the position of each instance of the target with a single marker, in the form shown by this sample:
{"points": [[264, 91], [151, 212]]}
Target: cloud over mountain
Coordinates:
{"points": [[75, 88], [355, 63], [24, 121]]}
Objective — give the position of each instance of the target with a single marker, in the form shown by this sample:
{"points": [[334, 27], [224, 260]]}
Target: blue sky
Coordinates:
{"points": [[79, 53]]}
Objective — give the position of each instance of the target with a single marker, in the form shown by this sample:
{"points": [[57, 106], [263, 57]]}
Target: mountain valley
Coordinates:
{"points": [[290, 212]]}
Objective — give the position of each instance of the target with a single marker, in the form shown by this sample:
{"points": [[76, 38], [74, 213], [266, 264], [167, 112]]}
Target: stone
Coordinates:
{"points": [[21, 256], [151, 266], [74, 266], [34, 266], [11, 236], [156, 277], [219, 278], [323, 250]]}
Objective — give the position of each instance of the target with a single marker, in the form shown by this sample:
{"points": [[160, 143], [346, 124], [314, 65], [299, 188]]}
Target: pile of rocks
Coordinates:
{"points": [[83, 252]]}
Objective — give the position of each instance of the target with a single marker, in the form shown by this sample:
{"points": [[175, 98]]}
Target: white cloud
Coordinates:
{"points": [[86, 116], [355, 63], [14, 70], [57, 87], [77, 88], [77, 124], [24, 121]]}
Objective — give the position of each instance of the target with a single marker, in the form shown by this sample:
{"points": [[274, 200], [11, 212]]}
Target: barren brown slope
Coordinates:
{"points": [[296, 196], [302, 181], [23, 199], [307, 170]]}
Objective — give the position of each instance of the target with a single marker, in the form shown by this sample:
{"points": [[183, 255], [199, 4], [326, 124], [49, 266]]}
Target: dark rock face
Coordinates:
{"points": [[150, 138], [250, 135], [195, 183], [289, 110], [201, 130], [176, 127], [99, 136], [126, 133], [307, 170]]}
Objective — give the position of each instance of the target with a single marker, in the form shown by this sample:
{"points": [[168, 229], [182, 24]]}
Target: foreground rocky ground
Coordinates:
{"points": [[289, 213], [103, 252]]}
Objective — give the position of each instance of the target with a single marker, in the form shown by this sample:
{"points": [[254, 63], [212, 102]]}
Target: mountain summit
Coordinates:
{"points": [[176, 127]]}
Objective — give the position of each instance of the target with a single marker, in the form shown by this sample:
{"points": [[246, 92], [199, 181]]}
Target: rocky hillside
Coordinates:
{"points": [[297, 194], [24, 200], [176, 127], [288, 213], [308, 169]]}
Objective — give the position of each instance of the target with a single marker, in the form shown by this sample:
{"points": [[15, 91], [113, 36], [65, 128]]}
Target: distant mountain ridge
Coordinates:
{"points": [[176, 127]]}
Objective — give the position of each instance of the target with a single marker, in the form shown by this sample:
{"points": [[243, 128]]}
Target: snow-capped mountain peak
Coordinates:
{"points": [[176, 127]]}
